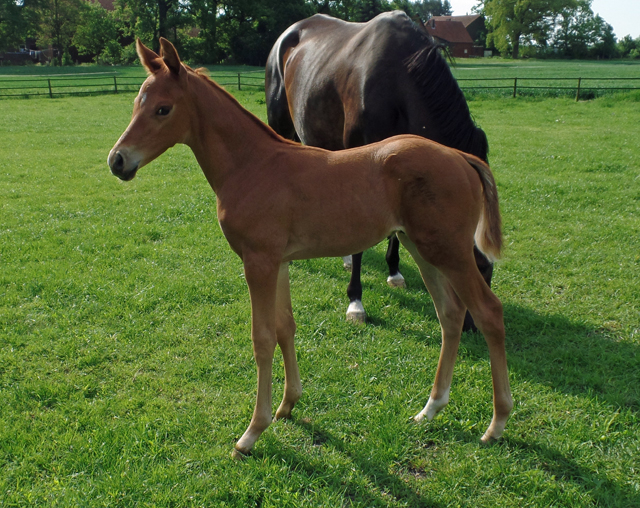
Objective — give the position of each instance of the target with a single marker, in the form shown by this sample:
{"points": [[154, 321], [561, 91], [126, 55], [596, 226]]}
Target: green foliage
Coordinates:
{"points": [[580, 33], [628, 47], [12, 25], [248, 29], [58, 21], [513, 22], [97, 35]]}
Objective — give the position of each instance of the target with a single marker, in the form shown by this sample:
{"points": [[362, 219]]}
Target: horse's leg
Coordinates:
{"points": [[487, 313], [486, 270], [285, 333], [486, 309], [261, 276], [395, 278], [355, 311], [450, 312]]}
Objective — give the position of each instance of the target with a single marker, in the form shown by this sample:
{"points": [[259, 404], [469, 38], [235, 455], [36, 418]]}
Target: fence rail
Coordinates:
{"points": [[69, 85], [582, 87], [59, 86]]}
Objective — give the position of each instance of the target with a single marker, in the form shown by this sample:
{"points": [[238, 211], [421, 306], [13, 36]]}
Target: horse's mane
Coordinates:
{"points": [[444, 99], [202, 73]]}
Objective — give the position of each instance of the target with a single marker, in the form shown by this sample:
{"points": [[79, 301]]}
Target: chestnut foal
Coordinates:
{"points": [[279, 201]]}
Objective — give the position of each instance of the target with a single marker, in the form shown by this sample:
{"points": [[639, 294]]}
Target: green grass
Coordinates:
{"points": [[126, 371]]}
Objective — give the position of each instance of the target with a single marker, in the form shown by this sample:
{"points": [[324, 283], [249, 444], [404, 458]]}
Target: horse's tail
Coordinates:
{"points": [[488, 234]]}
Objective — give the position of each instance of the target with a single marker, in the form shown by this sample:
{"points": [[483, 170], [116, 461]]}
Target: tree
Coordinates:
{"points": [[203, 47], [580, 34], [513, 21], [427, 9], [151, 19], [58, 23], [12, 25], [248, 29], [628, 47], [97, 34]]}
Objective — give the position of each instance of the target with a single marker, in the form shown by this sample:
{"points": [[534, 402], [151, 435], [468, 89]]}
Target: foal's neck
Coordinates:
{"points": [[226, 138]]}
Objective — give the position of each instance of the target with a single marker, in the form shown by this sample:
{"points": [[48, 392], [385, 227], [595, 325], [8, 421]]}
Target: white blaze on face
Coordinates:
{"points": [[143, 98]]}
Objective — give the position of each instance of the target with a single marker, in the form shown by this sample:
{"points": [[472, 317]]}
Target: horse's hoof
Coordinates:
{"points": [[489, 440], [238, 455], [356, 313], [346, 263], [396, 281]]}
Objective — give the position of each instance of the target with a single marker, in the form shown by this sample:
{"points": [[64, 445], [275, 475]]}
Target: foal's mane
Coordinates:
{"points": [[202, 74], [444, 99]]}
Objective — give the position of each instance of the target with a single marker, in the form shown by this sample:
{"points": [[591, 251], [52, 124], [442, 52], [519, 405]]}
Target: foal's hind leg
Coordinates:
{"points": [[486, 310], [465, 280], [285, 333], [450, 312]]}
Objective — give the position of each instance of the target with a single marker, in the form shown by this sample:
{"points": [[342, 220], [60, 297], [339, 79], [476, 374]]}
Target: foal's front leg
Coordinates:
{"points": [[261, 275]]}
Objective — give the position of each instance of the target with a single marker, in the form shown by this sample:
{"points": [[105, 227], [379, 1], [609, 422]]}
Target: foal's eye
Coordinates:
{"points": [[163, 110]]}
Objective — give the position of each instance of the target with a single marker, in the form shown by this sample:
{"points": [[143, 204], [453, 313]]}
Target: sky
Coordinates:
{"points": [[622, 15]]}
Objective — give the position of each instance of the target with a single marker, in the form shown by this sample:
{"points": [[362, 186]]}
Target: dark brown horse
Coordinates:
{"points": [[279, 201], [337, 85]]}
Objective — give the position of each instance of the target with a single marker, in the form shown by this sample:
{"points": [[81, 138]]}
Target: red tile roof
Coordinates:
{"points": [[465, 20], [447, 30]]}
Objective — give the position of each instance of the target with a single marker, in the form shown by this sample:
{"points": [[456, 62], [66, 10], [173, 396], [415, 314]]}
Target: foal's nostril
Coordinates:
{"points": [[118, 163]]}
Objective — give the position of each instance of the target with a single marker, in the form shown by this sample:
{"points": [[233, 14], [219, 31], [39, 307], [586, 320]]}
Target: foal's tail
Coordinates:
{"points": [[488, 234]]}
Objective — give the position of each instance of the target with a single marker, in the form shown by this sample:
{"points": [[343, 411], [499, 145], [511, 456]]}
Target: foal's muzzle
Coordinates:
{"points": [[122, 166]]}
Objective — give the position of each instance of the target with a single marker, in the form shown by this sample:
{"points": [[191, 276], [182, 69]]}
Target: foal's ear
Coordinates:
{"points": [[170, 55], [148, 58]]}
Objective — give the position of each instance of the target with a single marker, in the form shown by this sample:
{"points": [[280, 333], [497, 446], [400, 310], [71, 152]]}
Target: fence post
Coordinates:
{"points": [[578, 90], [115, 85], [50, 92], [239, 82], [515, 87]]}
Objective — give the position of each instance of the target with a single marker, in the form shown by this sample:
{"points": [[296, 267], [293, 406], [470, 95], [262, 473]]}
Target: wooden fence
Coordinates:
{"points": [[106, 83], [581, 87]]}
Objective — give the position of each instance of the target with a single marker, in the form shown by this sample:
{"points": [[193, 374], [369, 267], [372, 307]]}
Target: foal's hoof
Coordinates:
{"points": [[238, 455], [356, 313], [396, 281], [346, 263]]}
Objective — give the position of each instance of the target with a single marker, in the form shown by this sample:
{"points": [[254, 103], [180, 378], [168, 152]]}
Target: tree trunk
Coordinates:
{"points": [[515, 46]]}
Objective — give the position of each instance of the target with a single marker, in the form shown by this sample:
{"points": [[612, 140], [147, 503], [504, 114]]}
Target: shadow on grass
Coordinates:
{"points": [[381, 486], [377, 486], [601, 489]]}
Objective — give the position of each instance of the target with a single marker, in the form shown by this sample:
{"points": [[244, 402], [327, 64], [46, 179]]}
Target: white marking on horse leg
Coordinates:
{"points": [[347, 263], [356, 313], [433, 407], [396, 281]]}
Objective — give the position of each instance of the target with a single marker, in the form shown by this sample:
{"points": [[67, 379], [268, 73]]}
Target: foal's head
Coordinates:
{"points": [[161, 112]]}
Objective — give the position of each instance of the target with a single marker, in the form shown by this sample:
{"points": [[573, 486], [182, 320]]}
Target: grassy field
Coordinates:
{"points": [[126, 371]]}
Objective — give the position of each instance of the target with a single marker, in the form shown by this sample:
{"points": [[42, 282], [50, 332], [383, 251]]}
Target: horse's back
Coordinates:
{"points": [[333, 79]]}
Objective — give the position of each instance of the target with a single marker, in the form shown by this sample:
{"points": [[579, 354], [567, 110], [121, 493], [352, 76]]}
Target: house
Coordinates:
{"points": [[458, 33]]}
